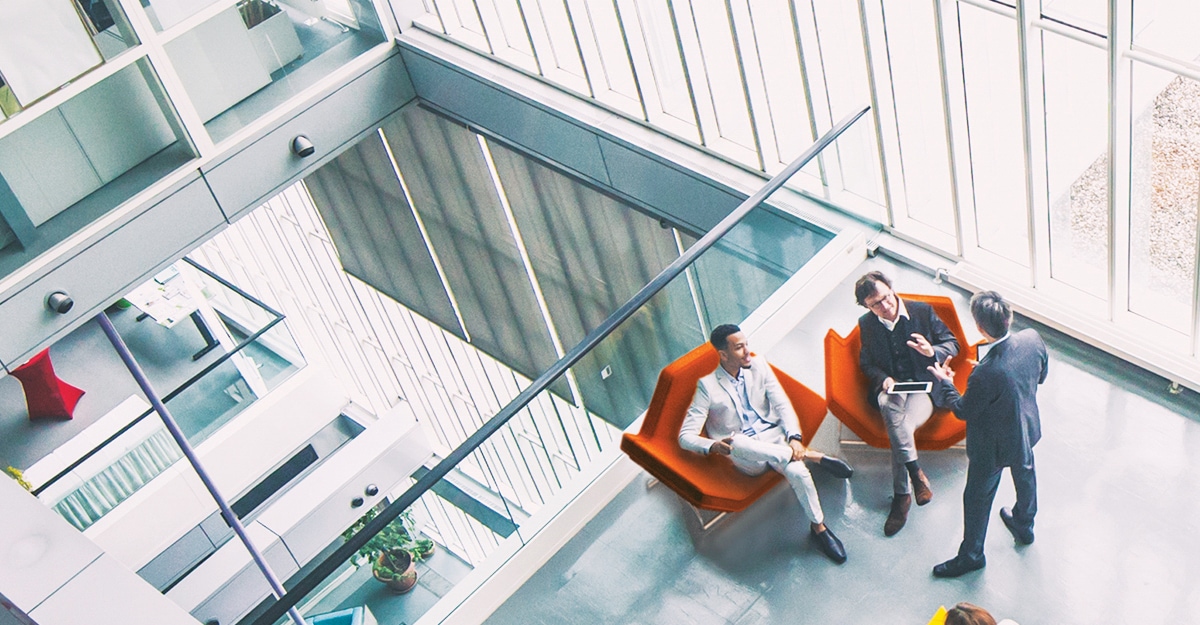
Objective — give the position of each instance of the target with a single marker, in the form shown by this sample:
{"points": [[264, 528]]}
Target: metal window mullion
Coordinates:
{"points": [[705, 117], [951, 161], [811, 73], [1033, 105], [1120, 36], [753, 91], [961, 157], [895, 199]]}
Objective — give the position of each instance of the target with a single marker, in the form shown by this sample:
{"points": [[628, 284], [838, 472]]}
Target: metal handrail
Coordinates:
{"points": [[224, 358], [347, 549]]}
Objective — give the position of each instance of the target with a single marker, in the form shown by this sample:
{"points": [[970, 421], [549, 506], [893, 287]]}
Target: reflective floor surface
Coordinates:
{"points": [[1116, 534]]}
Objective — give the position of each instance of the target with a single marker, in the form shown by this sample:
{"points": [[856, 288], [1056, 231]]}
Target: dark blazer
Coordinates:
{"points": [[875, 359], [1000, 405]]}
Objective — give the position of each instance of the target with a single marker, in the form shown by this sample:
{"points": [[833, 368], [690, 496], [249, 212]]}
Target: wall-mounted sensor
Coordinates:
{"points": [[59, 302], [302, 147]]}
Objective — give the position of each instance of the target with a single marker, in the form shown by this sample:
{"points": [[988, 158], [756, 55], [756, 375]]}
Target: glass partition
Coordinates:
{"points": [[239, 60], [235, 365], [476, 502], [69, 166]]}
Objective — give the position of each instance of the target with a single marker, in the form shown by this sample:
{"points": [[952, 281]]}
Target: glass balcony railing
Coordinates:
{"points": [[464, 510], [259, 354]]}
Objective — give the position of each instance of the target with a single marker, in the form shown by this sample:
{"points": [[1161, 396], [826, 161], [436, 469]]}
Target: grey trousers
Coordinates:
{"points": [[902, 415]]}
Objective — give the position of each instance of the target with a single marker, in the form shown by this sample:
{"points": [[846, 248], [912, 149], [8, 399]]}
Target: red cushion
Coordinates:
{"points": [[45, 394]]}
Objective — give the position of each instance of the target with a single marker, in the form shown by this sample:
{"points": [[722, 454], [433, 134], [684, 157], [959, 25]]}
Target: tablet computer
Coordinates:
{"points": [[904, 388]]}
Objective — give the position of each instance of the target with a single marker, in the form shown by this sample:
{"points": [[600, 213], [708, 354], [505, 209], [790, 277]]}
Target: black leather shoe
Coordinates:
{"points": [[957, 566], [836, 467], [829, 545], [1022, 535]]}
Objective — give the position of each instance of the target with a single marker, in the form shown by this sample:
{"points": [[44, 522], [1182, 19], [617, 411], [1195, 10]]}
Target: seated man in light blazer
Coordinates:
{"points": [[748, 417]]}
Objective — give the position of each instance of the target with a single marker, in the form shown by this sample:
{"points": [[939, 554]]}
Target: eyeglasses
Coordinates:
{"points": [[874, 303]]}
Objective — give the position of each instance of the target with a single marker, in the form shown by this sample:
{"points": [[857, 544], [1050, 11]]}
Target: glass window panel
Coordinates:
{"points": [[1168, 27], [1164, 191], [376, 233], [1089, 15], [564, 52], [752, 261], [787, 121], [72, 164], [721, 70], [592, 253], [44, 44], [456, 199], [1076, 94], [912, 47], [247, 59], [662, 48], [991, 72], [164, 14], [106, 23], [609, 70], [512, 27], [845, 67]]}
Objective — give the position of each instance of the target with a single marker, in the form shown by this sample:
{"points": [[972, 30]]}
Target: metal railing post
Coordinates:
{"points": [[234, 522]]}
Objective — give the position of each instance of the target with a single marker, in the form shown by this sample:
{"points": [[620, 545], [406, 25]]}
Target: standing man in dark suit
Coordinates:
{"points": [[900, 340], [1000, 408]]}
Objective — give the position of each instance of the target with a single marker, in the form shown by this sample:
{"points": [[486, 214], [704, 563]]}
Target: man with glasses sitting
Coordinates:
{"points": [[900, 340], [747, 416]]}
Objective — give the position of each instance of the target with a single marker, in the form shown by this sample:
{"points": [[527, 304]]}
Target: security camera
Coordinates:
{"points": [[59, 302], [302, 147]]}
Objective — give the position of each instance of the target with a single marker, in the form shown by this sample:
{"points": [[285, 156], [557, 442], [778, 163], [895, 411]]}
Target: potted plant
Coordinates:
{"points": [[395, 568], [394, 551]]}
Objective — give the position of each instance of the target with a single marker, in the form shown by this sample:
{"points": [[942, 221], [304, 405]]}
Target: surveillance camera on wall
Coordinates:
{"points": [[59, 302], [302, 147]]}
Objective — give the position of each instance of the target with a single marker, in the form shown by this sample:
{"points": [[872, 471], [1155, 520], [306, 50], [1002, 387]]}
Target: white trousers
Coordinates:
{"points": [[752, 456]]}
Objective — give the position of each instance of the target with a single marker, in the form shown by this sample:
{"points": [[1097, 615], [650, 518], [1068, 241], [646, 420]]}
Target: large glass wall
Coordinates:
{"points": [[1045, 145]]}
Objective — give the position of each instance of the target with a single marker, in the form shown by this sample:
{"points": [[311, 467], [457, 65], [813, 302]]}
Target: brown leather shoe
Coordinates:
{"points": [[921, 491], [898, 516]]}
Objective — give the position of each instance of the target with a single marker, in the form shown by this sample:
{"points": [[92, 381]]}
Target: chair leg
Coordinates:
{"points": [[847, 442], [707, 524]]}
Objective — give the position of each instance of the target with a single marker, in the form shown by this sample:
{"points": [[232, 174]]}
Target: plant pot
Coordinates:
{"points": [[395, 568]]}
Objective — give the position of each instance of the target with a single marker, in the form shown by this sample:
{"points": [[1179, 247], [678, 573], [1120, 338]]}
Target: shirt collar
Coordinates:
{"points": [[986, 348], [891, 325]]}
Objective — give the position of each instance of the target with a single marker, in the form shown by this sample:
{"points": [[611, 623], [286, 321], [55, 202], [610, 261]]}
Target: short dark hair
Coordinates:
{"points": [[865, 287], [720, 335], [991, 313], [969, 614]]}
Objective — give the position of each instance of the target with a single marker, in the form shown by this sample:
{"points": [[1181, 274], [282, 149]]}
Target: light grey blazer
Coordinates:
{"points": [[713, 410]]}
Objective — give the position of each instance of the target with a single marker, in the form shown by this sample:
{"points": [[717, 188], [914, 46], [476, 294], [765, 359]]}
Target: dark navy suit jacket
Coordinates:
{"points": [[1000, 405]]}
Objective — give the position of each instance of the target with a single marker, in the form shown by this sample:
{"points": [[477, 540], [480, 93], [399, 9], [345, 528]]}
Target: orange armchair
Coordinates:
{"points": [[706, 482], [846, 385]]}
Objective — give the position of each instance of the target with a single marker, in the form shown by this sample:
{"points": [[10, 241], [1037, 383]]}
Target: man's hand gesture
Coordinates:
{"points": [[942, 371], [921, 344], [723, 447]]}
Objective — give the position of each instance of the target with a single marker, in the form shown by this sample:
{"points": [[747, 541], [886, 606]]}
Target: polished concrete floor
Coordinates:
{"points": [[1116, 534]]}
